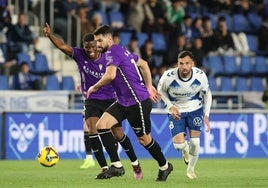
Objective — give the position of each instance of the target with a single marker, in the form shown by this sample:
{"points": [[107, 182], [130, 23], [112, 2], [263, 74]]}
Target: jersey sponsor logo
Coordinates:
{"points": [[170, 73], [171, 125], [92, 72], [197, 121]]}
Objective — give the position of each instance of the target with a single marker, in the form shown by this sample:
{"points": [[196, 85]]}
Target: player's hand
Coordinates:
{"points": [[92, 89], [46, 30], [206, 121], [175, 113], [154, 95]]}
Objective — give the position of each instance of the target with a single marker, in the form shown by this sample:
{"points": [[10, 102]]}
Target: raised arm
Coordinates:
{"points": [[57, 42]]}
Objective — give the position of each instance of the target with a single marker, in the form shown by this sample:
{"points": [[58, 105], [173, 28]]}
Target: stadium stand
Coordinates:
{"points": [[223, 71], [68, 83], [52, 83], [4, 82]]}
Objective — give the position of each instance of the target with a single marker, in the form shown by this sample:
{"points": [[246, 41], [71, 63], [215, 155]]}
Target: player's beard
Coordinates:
{"points": [[103, 49]]}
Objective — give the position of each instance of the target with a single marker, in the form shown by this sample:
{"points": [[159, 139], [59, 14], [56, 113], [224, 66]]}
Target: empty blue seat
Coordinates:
{"points": [[103, 15], [240, 23], [52, 83], [68, 83], [116, 19], [125, 38], [226, 84], [252, 42], [212, 83], [4, 82], [257, 84], [159, 42], [41, 65], [254, 20], [246, 66], [241, 84], [261, 67], [142, 37], [215, 65], [230, 65]]}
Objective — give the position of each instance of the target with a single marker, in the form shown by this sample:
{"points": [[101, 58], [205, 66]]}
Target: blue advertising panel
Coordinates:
{"points": [[231, 135]]}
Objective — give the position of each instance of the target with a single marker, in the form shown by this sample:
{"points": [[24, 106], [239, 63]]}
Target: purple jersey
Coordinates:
{"points": [[91, 72], [128, 83]]}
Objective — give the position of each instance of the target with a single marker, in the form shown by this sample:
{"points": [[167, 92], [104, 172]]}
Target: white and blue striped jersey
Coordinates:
{"points": [[186, 95]]}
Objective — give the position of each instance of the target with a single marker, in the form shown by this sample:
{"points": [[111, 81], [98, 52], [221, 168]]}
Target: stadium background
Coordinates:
{"points": [[30, 120]]}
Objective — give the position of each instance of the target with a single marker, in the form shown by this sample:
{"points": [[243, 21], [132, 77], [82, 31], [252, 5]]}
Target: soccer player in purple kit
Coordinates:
{"points": [[91, 65], [134, 91]]}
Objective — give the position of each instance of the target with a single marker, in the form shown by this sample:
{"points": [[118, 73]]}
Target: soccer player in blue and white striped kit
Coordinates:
{"points": [[187, 96]]}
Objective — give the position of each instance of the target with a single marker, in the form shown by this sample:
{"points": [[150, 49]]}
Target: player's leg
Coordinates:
{"points": [[94, 110], [124, 141], [139, 119], [193, 155], [195, 122], [104, 125], [88, 161], [96, 142], [177, 129]]}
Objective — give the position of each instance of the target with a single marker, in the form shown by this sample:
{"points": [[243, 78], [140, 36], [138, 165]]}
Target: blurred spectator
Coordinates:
{"points": [[241, 43], [198, 52], [160, 20], [223, 38], [171, 56], [116, 37], [243, 7], [185, 28], [139, 15], [176, 13], [217, 6], [133, 45], [263, 36], [60, 19], [21, 35], [86, 25], [230, 42], [5, 23], [153, 60], [107, 5], [265, 97], [197, 28], [195, 7], [97, 20], [7, 67], [207, 35], [24, 80]]}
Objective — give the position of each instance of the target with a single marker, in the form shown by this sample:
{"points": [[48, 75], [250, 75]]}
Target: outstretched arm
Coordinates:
{"points": [[57, 42]]}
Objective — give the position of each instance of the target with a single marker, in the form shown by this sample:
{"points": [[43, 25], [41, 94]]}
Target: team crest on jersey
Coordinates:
{"points": [[197, 121], [195, 84], [100, 66]]}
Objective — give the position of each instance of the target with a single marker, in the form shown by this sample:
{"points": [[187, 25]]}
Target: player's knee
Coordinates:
{"points": [[145, 140], [179, 146], [118, 133], [194, 146]]}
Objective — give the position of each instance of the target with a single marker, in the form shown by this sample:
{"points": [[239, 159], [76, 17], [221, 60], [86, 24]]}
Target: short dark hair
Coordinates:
{"points": [[104, 30], [185, 53], [88, 37]]}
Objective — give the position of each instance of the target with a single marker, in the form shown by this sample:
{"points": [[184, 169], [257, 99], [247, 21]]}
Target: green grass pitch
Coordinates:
{"points": [[214, 173]]}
